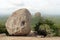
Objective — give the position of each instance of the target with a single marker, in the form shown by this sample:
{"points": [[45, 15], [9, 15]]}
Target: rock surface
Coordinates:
{"points": [[19, 22], [32, 34], [38, 14]]}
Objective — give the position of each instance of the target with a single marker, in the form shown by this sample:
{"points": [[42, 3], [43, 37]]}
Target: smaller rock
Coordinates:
{"points": [[38, 14], [3, 34], [33, 34]]}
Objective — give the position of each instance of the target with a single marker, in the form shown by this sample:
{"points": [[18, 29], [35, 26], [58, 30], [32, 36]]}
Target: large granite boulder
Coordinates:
{"points": [[19, 22]]}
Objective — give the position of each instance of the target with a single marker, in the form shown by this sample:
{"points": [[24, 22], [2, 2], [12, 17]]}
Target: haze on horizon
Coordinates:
{"points": [[50, 7]]}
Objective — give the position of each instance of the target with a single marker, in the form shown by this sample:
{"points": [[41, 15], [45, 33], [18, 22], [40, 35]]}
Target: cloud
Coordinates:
{"points": [[45, 6]]}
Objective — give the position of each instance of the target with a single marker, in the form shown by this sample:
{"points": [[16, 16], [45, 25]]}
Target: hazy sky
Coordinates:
{"points": [[44, 6]]}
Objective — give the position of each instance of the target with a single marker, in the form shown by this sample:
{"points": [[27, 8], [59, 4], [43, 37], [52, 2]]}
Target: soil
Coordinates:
{"points": [[4, 37]]}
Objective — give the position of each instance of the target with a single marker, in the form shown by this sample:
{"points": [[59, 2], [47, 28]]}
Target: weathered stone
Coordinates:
{"points": [[32, 33], [19, 22], [38, 14]]}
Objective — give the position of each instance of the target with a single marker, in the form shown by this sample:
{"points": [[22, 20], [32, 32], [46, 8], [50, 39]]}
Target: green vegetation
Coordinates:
{"points": [[2, 24], [56, 26], [42, 23]]}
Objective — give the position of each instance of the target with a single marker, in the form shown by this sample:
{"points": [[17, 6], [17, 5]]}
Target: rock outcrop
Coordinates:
{"points": [[38, 14], [19, 22]]}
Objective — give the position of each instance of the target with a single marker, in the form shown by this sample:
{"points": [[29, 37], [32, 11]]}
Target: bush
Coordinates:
{"points": [[3, 29], [54, 27], [39, 23], [45, 27]]}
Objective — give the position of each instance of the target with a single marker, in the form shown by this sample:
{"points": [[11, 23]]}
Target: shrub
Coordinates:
{"points": [[3, 29], [39, 23]]}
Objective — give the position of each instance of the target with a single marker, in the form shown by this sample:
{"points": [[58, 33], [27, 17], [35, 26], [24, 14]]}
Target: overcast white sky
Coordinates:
{"points": [[44, 6]]}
